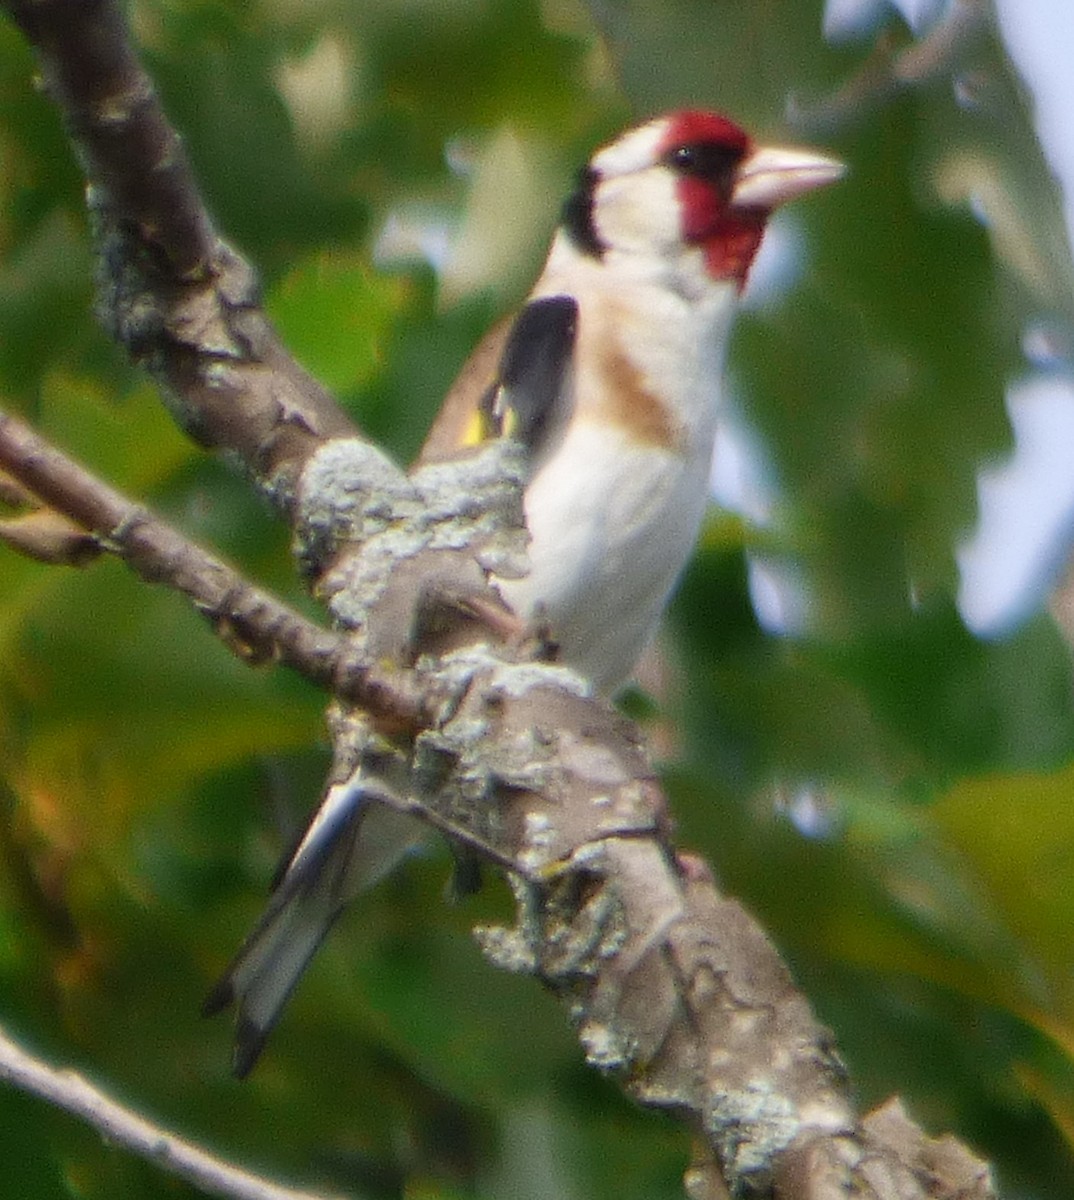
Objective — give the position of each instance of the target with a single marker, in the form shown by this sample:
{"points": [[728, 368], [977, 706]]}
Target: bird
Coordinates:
{"points": [[610, 376], [611, 373]]}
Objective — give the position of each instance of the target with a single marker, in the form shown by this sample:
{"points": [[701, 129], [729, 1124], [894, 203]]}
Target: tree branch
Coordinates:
{"points": [[890, 68], [182, 302], [253, 623], [120, 1125], [674, 988]]}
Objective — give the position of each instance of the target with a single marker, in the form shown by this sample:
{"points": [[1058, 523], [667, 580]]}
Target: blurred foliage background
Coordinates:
{"points": [[890, 793]]}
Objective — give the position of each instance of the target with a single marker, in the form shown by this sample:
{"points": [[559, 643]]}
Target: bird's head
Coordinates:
{"points": [[688, 181]]}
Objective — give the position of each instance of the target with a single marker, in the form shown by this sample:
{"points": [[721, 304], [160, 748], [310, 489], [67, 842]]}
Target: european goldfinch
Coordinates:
{"points": [[610, 376]]}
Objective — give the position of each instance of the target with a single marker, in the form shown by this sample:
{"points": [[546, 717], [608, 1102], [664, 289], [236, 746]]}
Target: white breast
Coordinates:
{"points": [[613, 516]]}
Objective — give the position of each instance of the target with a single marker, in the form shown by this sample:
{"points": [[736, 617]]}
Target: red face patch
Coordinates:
{"points": [[704, 150]]}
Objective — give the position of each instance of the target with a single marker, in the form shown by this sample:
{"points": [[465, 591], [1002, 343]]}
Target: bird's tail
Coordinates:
{"points": [[351, 842]]}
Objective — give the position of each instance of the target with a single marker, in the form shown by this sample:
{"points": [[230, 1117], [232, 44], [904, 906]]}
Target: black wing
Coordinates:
{"points": [[530, 399]]}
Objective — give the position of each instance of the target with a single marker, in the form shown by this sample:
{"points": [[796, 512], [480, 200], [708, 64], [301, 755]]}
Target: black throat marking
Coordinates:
{"points": [[577, 216]]}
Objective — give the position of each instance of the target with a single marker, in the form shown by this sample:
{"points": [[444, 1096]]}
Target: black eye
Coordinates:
{"points": [[705, 160], [683, 158]]}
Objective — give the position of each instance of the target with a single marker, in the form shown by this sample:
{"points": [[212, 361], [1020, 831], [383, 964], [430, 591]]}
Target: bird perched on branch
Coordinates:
{"points": [[610, 376]]}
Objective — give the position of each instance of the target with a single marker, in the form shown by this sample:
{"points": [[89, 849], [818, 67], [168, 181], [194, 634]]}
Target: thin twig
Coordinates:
{"points": [[118, 1124], [252, 622], [889, 68]]}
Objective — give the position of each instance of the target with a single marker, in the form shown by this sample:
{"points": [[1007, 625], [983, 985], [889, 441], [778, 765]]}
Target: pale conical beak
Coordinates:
{"points": [[772, 175]]}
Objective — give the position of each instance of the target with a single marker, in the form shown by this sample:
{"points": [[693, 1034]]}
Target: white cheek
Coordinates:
{"points": [[638, 211]]}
